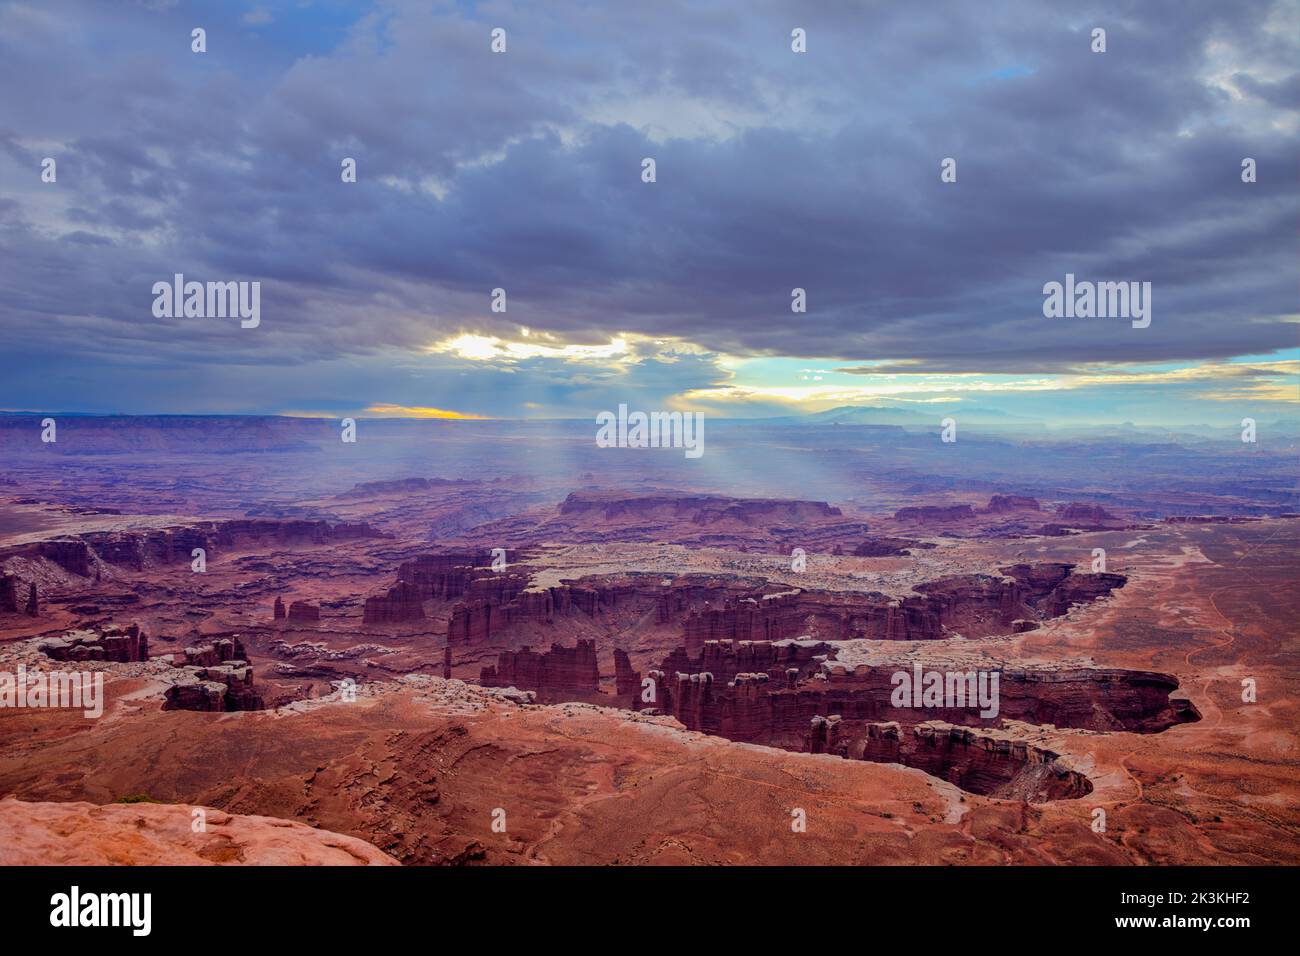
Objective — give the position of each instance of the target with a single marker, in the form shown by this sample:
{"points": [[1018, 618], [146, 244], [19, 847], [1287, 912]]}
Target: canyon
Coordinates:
{"points": [[639, 672]]}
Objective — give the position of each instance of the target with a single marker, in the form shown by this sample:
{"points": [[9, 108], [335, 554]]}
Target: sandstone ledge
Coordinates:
{"points": [[157, 834]]}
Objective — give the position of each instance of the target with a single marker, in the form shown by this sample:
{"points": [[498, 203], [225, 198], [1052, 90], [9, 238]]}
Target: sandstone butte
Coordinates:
{"points": [[150, 834]]}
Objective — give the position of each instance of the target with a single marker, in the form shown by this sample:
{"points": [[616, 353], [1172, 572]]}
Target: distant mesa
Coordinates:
{"points": [[694, 509], [681, 518], [1000, 504], [934, 514], [400, 486], [1076, 511]]}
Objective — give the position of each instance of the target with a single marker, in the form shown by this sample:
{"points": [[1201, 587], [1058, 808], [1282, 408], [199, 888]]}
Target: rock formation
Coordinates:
{"points": [[973, 605], [978, 761], [1000, 504], [438, 577], [563, 673], [224, 687], [626, 680], [696, 509], [277, 612], [304, 613], [725, 659], [401, 603], [695, 520], [161, 834], [774, 707], [140, 549], [1076, 511], [9, 590], [219, 651], [121, 645], [73, 556], [934, 514], [885, 547]]}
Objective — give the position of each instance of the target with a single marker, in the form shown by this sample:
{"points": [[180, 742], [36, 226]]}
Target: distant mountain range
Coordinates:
{"points": [[993, 420], [907, 416]]}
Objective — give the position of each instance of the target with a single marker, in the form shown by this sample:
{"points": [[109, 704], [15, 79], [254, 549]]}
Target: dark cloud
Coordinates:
{"points": [[775, 170]]}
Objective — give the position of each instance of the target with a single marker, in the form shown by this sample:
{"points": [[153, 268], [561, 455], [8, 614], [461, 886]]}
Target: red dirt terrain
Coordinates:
{"points": [[654, 678]]}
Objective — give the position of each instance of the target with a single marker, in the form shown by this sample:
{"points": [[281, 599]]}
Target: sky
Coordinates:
{"points": [[774, 170]]}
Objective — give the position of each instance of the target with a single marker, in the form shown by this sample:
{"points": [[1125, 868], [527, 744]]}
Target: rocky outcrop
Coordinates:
{"points": [[626, 680], [934, 514], [304, 613], [691, 520], [401, 603], [972, 605], [728, 608], [885, 547], [72, 555], [118, 644], [212, 653], [498, 607], [441, 577], [446, 577], [1077, 511], [851, 712], [404, 486], [224, 687], [137, 550], [33, 607], [775, 708], [562, 673], [277, 611], [986, 762], [833, 616], [1052, 588], [9, 589], [783, 661], [1001, 504], [162, 834]]}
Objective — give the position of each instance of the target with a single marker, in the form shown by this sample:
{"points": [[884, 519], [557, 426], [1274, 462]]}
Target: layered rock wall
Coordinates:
{"points": [[560, 673]]}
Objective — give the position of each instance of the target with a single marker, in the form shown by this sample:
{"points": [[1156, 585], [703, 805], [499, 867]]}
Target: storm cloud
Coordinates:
{"points": [[522, 170]]}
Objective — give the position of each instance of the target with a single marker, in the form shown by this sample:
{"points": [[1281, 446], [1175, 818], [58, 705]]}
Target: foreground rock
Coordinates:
{"points": [[156, 834]]}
